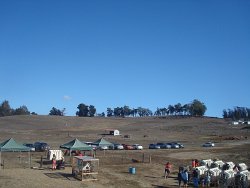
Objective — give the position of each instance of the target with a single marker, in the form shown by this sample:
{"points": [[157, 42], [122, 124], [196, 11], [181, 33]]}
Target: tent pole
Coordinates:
{"points": [[29, 160]]}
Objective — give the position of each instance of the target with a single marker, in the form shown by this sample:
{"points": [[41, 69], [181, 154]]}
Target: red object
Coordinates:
{"points": [[128, 147], [53, 164], [168, 166], [196, 163], [193, 163]]}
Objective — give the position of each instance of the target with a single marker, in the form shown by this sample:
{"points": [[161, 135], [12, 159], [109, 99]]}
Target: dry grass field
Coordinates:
{"points": [[232, 144]]}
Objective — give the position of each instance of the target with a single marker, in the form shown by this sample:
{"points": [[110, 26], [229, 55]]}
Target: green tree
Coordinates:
{"points": [[109, 112], [178, 108], [171, 109], [225, 115], [92, 111], [134, 112], [185, 109], [5, 109], [157, 112], [126, 110], [56, 112], [118, 112], [197, 108], [83, 110], [22, 110]]}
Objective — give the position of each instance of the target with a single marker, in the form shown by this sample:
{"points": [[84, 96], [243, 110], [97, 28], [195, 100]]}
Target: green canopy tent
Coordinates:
{"points": [[76, 145], [102, 142], [12, 145]]}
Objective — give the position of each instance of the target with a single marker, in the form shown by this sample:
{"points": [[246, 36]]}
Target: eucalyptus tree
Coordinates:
{"points": [[56, 112], [22, 110], [110, 112], [92, 111], [83, 110], [5, 109], [171, 109], [197, 108]]}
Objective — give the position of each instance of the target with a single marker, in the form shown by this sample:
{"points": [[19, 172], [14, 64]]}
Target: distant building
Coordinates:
{"points": [[235, 123], [239, 122], [114, 132]]}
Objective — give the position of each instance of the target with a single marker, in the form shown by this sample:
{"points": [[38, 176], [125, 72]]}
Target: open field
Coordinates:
{"points": [[232, 144]]}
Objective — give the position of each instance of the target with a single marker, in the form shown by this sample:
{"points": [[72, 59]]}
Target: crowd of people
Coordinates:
{"points": [[184, 176], [190, 175]]}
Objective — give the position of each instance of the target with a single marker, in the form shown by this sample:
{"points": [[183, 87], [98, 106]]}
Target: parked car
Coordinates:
{"points": [[31, 146], [208, 144], [128, 147], [137, 146], [168, 146], [179, 144], [118, 146], [94, 147], [41, 146], [174, 145], [153, 146], [162, 145], [103, 147]]}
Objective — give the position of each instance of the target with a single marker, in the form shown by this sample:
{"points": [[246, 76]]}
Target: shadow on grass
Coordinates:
{"points": [[160, 186], [151, 176], [61, 175]]}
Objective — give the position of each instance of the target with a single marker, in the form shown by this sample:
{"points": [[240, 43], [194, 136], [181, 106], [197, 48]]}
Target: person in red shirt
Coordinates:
{"points": [[54, 162], [168, 168]]}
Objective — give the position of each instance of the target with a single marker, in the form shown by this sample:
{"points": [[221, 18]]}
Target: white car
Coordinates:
{"points": [[103, 147], [208, 144], [137, 146], [118, 146]]}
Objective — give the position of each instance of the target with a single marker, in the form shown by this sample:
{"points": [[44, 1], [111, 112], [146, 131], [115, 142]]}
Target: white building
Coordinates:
{"points": [[114, 132]]}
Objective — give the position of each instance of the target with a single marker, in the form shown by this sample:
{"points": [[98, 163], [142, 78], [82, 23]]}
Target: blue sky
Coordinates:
{"points": [[114, 53]]}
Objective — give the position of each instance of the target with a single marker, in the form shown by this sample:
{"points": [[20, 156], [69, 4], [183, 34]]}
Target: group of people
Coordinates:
{"points": [[184, 176], [59, 165]]}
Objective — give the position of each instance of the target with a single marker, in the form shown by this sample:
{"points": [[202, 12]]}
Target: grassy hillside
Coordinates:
{"points": [[150, 128]]}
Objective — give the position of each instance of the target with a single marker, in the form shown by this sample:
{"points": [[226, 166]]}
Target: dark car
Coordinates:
{"points": [[154, 146], [162, 145], [31, 146], [41, 146]]}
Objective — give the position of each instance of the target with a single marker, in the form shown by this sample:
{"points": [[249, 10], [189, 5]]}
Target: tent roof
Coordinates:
{"points": [[76, 145], [102, 142], [12, 145]]}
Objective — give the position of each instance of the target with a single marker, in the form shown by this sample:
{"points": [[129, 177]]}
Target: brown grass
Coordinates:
{"points": [[192, 132]]}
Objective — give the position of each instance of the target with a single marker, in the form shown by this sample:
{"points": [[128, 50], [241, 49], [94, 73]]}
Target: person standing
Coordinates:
{"points": [[207, 179], [184, 176], [168, 167], [54, 162], [195, 178], [179, 178]]}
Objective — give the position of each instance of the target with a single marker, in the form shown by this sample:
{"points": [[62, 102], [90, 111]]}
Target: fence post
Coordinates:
{"points": [[41, 162], [150, 159], [143, 157]]}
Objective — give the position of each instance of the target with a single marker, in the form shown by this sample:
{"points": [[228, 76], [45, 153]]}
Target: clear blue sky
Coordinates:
{"points": [[148, 53]]}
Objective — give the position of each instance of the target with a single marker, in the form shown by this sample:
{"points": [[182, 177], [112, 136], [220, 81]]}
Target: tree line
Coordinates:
{"points": [[195, 108], [6, 110], [237, 113]]}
